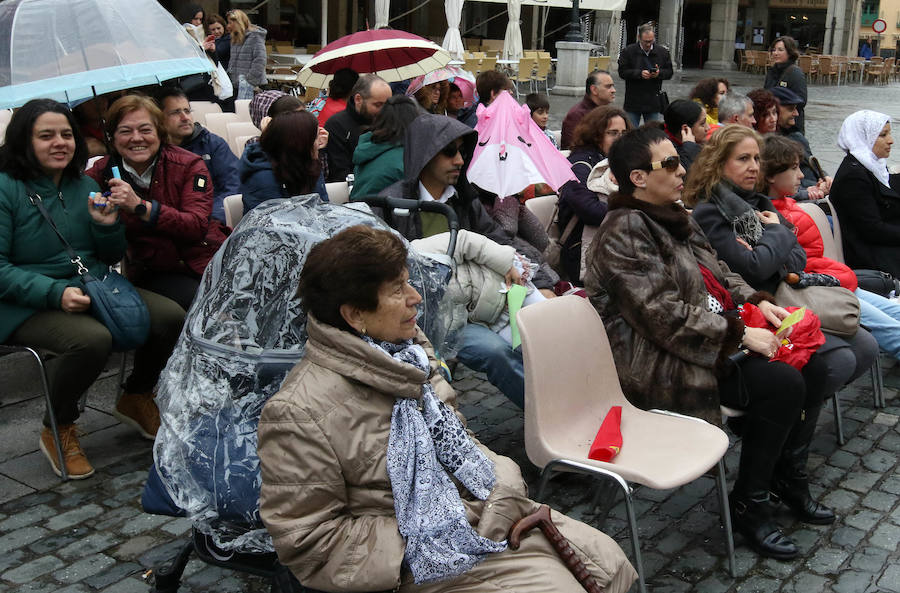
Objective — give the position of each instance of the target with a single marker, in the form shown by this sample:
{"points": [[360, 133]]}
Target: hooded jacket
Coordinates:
{"points": [[258, 181], [344, 128], [221, 162], [376, 165], [249, 58], [429, 134], [326, 496]]}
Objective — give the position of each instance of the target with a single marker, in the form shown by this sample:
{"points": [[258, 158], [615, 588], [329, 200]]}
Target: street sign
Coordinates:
{"points": [[879, 26]]}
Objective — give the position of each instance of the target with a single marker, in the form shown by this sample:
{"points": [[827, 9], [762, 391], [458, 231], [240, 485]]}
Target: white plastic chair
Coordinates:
{"points": [[831, 248], [570, 385], [242, 109], [338, 192], [200, 109], [217, 123], [234, 209], [543, 207], [240, 143], [239, 128]]}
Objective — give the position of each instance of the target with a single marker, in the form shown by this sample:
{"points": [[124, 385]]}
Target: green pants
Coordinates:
{"points": [[81, 345]]}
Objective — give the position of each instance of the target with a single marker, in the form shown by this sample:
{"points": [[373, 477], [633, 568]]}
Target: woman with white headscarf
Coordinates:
{"points": [[865, 196]]}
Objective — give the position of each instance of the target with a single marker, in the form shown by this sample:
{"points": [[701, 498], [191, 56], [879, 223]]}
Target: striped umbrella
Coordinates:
{"points": [[391, 54]]}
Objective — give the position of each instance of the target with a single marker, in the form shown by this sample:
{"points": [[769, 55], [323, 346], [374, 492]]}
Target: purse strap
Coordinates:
{"points": [[37, 201]]}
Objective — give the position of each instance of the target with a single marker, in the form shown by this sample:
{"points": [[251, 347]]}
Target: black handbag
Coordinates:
{"points": [[663, 98], [114, 301], [876, 281]]}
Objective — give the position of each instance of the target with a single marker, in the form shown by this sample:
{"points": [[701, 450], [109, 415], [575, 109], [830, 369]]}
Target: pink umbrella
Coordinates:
{"points": [[391, 54], [464, 80], [513, 152]]}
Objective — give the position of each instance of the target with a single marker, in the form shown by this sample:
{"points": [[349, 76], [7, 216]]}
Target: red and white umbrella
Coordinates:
{"points": [[391, 54]]}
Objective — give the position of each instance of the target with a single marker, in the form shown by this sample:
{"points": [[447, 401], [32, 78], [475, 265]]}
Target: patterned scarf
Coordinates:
{"points": [[731, 202], [427, 440]]}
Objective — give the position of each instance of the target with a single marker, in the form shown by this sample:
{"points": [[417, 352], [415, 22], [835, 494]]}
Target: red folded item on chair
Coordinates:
{"points": [[608, 441]]}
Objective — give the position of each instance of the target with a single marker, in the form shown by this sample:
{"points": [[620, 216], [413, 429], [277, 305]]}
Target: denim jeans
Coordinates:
{"points": [[881, 316], [635, 117], [484, 351]]}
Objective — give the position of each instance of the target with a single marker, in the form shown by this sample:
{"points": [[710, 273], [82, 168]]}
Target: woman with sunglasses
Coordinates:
{"points": [[591, 141], [669, 306]]}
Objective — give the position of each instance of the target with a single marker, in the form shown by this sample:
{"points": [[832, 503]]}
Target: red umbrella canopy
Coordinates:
{"points": [[394, 55]]}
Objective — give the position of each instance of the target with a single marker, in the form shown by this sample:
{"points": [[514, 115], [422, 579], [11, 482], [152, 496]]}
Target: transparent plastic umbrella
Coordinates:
{"points": [[73, 49]]}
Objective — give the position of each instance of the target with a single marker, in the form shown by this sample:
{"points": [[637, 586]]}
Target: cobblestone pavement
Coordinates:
{"points": [[91, 535]]}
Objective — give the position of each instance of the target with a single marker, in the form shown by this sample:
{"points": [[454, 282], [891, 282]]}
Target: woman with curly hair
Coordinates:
{"points": [[765, 110], [708, 92]]}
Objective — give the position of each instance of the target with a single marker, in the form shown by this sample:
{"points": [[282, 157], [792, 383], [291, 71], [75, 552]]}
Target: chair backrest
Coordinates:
{"points": [[237, 129], [543, 68], [818, 215], [240, 143], [472, 65], [836, 231], [200, 109], [479, 55], [242, 108], [234, 209], [805, 63], [5, 116], [217, 123], [338, 192], [570, 375], [523, 70], [530, 53], [602, 62], [543, 208], [488, 64]]}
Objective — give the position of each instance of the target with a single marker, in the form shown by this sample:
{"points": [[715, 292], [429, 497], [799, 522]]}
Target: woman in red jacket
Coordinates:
{"points": [[782, 175], [164, 195]]}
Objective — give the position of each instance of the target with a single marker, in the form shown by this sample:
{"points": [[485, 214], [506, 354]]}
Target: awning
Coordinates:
{"points": [[584, 4]]}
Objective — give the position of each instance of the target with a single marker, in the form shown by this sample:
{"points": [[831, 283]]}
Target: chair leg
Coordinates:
{"points": [[878, 382], [838, 422], [635, 541], [54, 427], [726, 517]]}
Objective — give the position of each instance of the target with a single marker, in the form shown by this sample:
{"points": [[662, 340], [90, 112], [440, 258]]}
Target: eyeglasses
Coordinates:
{"points": [[614, 133], [180, 112], [451, 150], [670, 164]]}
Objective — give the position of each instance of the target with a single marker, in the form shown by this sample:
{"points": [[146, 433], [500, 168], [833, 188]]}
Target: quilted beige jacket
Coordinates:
{"points": [[326, 497]]}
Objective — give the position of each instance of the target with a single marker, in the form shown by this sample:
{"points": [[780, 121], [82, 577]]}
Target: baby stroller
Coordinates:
{"points": [[242, 335]]}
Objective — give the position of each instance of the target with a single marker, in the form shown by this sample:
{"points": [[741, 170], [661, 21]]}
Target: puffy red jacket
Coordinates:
{"points": [[811, 240], [181, 235]]}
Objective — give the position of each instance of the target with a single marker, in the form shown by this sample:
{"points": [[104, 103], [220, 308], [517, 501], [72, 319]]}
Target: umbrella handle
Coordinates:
{"points": [[390, 203]]}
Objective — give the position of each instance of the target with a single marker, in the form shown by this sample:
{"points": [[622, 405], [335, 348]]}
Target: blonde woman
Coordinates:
{"points": [[247, 64]]}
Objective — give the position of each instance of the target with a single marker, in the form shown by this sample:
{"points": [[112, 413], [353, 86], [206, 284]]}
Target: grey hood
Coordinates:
{"points": [[427, 135]]}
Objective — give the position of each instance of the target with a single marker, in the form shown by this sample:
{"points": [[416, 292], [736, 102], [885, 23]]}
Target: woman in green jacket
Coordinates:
{"points": [[42, 304], [378, 158]]}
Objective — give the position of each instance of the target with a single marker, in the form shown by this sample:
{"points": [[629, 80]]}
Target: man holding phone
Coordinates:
{"points": [[643, 66]]}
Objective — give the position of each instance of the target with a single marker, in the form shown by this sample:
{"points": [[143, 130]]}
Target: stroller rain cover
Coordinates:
{"points": [[243, 333]]}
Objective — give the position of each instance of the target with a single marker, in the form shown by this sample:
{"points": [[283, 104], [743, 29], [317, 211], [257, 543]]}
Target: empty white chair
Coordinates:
{"points": [[544, 208], [234, 209], [242, 109], [240, 143], [201, 108], [217, 123], [338, 192], [239, 128]]}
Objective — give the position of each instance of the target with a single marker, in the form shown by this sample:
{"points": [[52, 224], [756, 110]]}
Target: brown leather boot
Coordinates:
{"points": [[139, 411], [77, 465]]}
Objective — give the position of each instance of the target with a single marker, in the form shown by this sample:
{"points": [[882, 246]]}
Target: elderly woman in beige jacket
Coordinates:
{"points": [[370, 480]]}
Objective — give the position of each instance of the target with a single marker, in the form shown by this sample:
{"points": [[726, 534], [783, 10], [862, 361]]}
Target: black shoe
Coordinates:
{"points": [[752, 518], [794, 493]]}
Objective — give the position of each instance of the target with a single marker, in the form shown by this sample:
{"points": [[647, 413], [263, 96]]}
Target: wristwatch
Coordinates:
{"points": [[141, 208]]}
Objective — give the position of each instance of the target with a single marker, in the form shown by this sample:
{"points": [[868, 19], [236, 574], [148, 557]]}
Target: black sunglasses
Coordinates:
{"points": [[451, 150], [670, 164]]}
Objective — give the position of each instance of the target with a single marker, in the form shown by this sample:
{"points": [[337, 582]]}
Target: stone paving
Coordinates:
{"points": [[91, 535]]}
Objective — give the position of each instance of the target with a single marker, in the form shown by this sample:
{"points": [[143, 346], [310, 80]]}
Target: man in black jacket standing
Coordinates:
{"points": [[643, 66]]}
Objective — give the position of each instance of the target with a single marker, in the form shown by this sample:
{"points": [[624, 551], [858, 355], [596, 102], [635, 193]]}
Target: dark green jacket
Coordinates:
{"points": [[376, 166], [34, 267]]}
